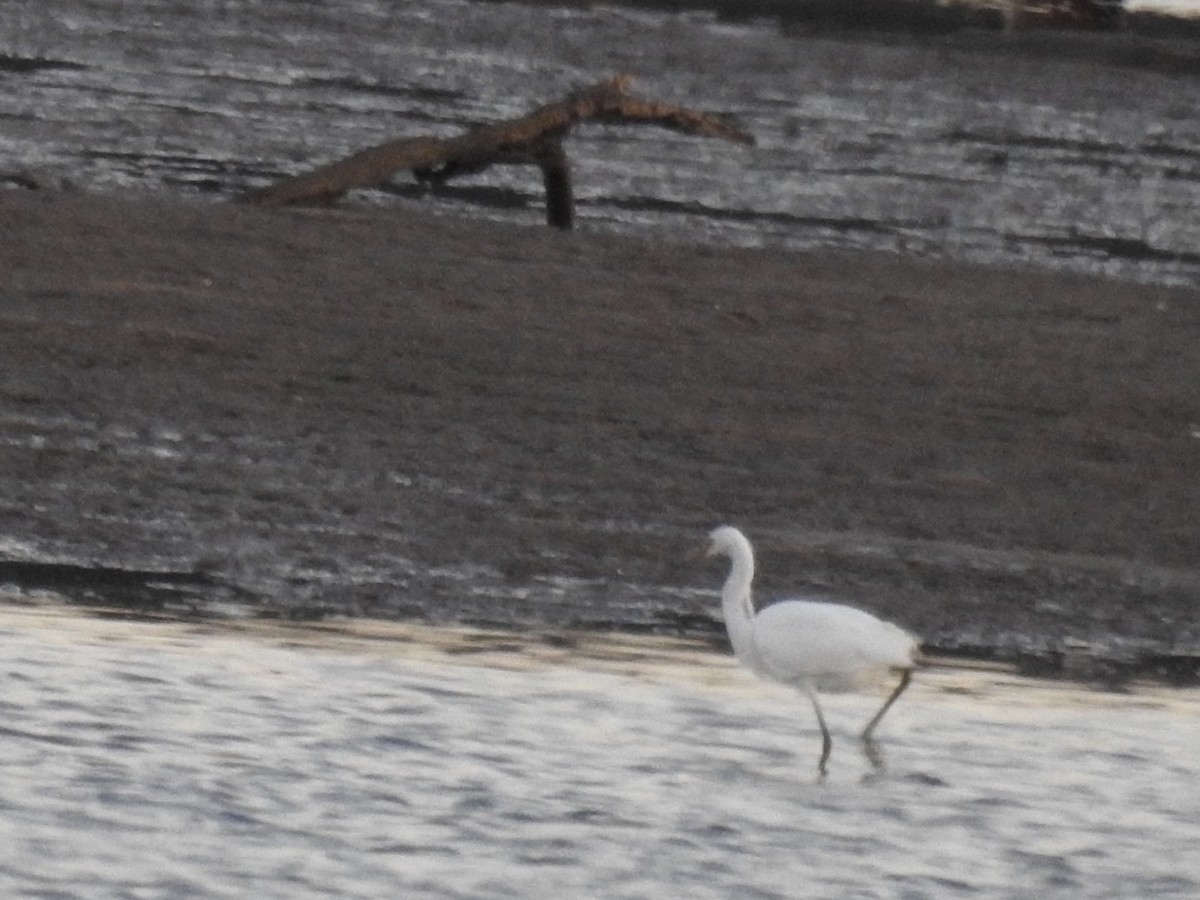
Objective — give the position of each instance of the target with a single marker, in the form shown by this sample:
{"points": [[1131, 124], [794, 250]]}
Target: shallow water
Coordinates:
{"points": [[150, 760], [919, 146]]}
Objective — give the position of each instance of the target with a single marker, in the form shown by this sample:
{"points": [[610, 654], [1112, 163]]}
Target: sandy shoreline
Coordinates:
{"points": [[386, 413]]}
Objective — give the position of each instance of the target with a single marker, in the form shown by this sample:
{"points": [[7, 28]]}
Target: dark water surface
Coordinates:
{"points": [[928, 145], [162, 761]]}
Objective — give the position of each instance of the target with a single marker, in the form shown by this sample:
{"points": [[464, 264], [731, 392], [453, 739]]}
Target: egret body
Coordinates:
{"points": [[810, 645]]}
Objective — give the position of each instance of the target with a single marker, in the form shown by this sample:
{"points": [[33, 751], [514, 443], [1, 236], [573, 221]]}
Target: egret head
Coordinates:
{"points": [[726, 541]]}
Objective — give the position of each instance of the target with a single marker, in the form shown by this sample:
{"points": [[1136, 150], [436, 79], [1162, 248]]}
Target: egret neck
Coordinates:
{"points": [[737, 606]]}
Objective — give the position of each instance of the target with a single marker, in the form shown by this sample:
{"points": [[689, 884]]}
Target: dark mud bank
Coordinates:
{"points": [[213, 409]]}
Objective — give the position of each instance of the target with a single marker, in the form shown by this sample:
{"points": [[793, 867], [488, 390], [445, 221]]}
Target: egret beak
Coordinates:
{"points": [[699, 552]]}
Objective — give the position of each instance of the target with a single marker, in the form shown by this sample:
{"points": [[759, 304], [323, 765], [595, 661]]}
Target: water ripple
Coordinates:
{"points": [[243, 761], [923, 146]]}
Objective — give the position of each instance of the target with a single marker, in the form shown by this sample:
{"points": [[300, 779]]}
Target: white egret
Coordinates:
{"points": [[808, 644]]}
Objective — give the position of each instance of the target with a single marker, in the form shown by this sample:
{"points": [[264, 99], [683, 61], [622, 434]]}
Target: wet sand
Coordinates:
{"points": [[378, 412]]}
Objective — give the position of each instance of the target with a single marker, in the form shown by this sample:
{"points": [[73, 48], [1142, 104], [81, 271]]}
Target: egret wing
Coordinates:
{"points": [[827, 644]]}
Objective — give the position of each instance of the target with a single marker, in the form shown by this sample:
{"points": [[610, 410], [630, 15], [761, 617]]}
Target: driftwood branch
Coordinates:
{"points": [[534, 139]]}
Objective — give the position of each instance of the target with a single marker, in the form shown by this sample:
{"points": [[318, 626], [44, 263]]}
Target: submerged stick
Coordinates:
{"points": [[535, 139]]}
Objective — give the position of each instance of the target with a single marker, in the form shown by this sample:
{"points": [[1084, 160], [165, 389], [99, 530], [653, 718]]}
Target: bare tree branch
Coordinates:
{"points": [[535, 139]]}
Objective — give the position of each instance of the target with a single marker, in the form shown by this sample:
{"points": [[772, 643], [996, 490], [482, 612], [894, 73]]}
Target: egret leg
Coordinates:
{"points": [[826, 740], [874, 754], [905, 678]]}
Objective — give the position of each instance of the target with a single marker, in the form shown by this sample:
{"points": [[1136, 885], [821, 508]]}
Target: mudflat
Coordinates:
{"points": [[384, 412]]}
